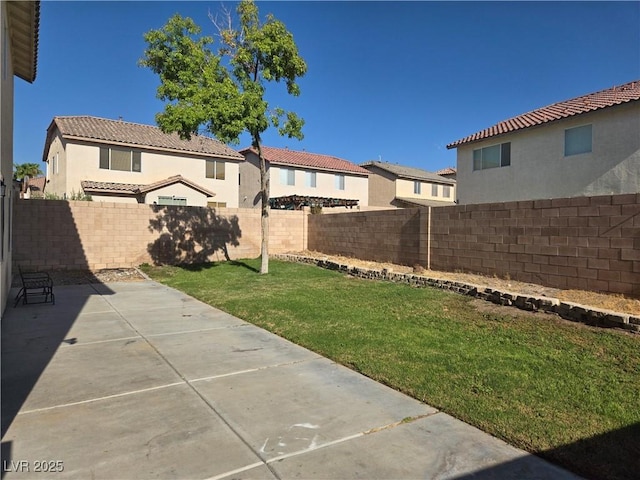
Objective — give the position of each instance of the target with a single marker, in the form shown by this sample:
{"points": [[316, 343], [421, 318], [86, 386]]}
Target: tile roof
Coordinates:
{"points": [[135, 189], [284, 156], [24, 26], [447, 171], [118, 132], [610, 97], [410, 173]]}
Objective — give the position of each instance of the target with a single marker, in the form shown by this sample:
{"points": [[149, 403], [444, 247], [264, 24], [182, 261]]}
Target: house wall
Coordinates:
{"points": [[539, 169], [6, 159], [80, 161], [405, 189], [57, 234], [56, 168], [382, 187], [356, 187]]}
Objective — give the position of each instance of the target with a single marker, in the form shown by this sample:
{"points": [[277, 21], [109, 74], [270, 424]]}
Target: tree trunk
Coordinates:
{"points": [[264, 220]]}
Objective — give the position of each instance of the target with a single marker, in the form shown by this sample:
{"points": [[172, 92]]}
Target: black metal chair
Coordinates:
{"points": [[35, 285]]}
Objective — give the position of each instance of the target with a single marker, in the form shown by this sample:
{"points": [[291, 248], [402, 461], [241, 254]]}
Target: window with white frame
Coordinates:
{"points": [[339, 180], [121, 159], [492, 157], [434, 189], [446, 191], [310, 179], [287, 176], [171, 200], [577, 140], [417, 187], [215, 169]]}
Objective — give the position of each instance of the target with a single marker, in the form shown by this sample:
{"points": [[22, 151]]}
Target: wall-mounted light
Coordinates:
{"points": [[3, 188]]}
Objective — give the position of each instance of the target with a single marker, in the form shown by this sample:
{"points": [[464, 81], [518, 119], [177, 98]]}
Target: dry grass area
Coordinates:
{"points": [[616, 303]]}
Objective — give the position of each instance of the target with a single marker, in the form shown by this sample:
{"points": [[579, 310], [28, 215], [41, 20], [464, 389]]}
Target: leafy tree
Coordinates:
{"points": [[224, 90], [26, 170]]}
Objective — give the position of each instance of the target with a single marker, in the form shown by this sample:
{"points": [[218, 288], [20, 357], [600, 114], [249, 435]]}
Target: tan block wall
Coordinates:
{"points": [[587, 243], [56, 234], [396, 236]]}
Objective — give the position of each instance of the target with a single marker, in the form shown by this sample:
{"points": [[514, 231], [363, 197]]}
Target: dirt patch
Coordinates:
{"points": [[616, 303]]}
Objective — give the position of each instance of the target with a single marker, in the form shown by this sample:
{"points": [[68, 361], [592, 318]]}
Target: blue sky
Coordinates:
{"points": [[396, 81]]}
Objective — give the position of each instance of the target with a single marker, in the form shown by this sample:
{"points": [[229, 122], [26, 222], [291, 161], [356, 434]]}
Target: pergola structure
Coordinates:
{"points": [[296, 202]]}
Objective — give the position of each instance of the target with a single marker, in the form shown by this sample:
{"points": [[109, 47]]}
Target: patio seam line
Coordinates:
{"points": [[98, 399], [192, 387], [251, 370], [153, 335]]}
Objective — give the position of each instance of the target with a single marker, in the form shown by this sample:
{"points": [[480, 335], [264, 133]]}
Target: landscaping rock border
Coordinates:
{"points": [[567, 310]]}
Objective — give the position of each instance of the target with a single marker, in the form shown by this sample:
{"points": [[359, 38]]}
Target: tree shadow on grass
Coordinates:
{"points": [[191, 236]]}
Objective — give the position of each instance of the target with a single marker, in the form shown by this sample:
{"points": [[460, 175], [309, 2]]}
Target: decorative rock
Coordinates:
{"points": [[566, 310]]}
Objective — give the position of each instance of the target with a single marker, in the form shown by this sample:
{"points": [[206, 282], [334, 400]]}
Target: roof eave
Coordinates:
{"points": [[150, 147], [24, 27]]}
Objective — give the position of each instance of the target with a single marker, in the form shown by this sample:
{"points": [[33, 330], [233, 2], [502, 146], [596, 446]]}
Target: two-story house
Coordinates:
{"points": [[118, 161], [586, 146], [392, 185], [300, 179]]}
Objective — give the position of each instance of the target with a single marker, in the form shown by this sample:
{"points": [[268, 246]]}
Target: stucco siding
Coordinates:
{"points": [[6, 150], [80, 161], [382, 187], [356, 187], [405, 189], [539, 169]]}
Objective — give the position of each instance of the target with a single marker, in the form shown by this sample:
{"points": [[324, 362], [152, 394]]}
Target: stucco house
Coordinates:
{"points": [[392, 185], [20, 23], [302, 179], [586, 146], [118, 161]]}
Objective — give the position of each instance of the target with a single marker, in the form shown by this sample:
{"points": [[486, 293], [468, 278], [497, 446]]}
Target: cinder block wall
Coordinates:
{"points": [[396, 236], [586, 243], [56, 234]]}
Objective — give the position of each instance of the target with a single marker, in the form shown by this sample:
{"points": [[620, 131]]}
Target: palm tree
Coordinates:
{"points": [[26, 170]]}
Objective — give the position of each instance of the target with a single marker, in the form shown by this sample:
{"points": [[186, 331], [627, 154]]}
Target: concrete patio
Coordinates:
{"points": [[136, 380]]}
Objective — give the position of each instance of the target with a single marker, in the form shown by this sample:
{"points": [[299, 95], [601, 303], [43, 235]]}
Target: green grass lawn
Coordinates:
{"points": [[566, 392]]}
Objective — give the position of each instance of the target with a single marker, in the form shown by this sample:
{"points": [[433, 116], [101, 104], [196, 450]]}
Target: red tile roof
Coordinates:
{"points": [[284, 156], [118, 132], [610, 97]]}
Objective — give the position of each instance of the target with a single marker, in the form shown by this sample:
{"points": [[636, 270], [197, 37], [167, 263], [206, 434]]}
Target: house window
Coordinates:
{"points": [[417, 187], [310, 179], [287, 176], [166, 200], [215, 169], [492, 157], [121, 159], [54, 164], [216, 204], [577, 140], [339, 182], [446, 191], [434, 190]]}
